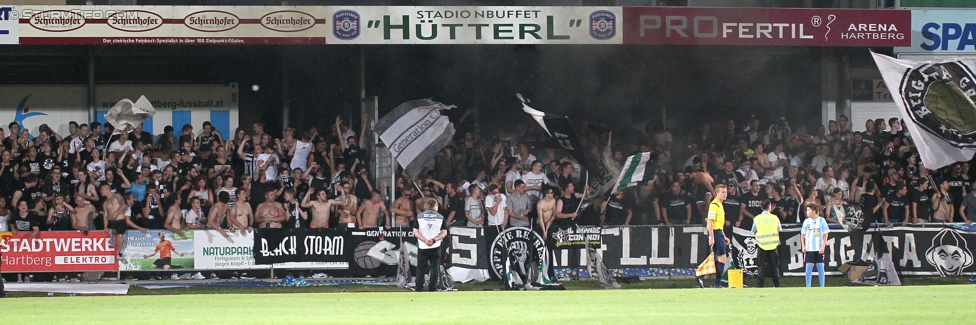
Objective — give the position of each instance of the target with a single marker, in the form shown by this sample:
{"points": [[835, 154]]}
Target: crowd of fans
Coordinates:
{"points": [[92, 180]]}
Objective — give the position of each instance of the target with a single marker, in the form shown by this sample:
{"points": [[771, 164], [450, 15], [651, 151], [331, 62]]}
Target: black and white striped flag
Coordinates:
{"points": [[414, 132]]}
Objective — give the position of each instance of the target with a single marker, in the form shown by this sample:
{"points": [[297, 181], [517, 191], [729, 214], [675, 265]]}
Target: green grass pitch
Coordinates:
{"points": [[941, 304]]}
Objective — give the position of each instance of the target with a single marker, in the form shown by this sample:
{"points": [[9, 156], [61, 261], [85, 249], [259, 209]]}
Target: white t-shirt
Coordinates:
{"points": [[300, 159], [824, 186], [117, 146], [499, 216], [818, 163], [531, 179], [192, 218], [3, 223], [774, 158], [99, 169], [511, 177], [473, 207], [76, 145], [527, 161], [270, 174]]}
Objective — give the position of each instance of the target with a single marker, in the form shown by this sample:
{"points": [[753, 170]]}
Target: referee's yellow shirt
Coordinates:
{"points": [[716, 213]]}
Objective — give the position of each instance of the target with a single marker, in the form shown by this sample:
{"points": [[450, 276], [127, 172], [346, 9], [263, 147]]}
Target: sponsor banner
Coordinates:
{"points": [[474, 25], [212, 251], [376, 251], [56, 105], [942, 31], [871, 90], [67, 251], [575, 236], [148, 25], [147, 251], [914, 250], [766, 27], [202, 250], [300, 245], [250, 25], [5, 238], [9, 27]]}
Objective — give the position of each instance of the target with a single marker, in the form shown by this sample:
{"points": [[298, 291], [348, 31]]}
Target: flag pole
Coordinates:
{"points": [[393, 170], [587, 183]]}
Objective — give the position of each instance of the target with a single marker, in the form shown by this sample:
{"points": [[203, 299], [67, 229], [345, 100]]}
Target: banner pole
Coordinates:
{"points": [[584, 191], [393, 170]]}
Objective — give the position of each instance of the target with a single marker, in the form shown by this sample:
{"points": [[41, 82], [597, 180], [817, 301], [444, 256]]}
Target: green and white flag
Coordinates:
{"points": [[637, 168]]}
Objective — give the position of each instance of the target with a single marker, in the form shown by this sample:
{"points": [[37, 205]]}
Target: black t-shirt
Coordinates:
{"points": [[791, 206], [731, 207], [29, 194], [351, 153], [956, 185], [207, 142], [873, 140], [617, 210], [116, 185], [26, 223], [86, 157], [59, 188], [33, 165], [47, 162], [569, 207], [677, 206], [896, 206], [868, 203], [923, 202], [887, 190], [322, 184], [7, 181], [257, 192], [753, 205], [729, 179], [218, 166], [452, 203]]}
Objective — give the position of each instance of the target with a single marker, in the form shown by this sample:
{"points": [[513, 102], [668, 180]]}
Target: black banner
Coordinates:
{"points": [[468, 247], [375, 251], [943, 251], [644, 247], [300, 245], [575, 237]]}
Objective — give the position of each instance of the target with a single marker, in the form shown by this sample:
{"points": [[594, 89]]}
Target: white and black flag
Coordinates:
{"points": [[937, 101], [560, 130], [415, 132]]}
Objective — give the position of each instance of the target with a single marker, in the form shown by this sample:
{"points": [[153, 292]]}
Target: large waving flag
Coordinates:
{"points": [[559, 129], [637, 168], [414, 132], [936, 101]]}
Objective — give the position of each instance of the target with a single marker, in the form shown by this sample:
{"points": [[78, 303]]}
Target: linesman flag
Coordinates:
{"points": [[414, 132], [706, 267], [935, 98], [637, 168], [559, 129]]}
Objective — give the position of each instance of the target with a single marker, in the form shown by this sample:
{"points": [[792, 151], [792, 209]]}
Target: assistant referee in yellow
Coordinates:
{"points": [[716, 236], [766, 226]]}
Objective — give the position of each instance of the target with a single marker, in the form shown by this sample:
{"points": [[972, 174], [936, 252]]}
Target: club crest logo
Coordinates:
{"points": [[939, 98], [949, 253], [516, 245], [345, 24], [603, 24], [748, 255]]}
